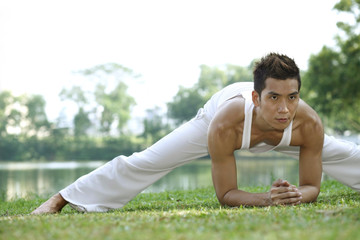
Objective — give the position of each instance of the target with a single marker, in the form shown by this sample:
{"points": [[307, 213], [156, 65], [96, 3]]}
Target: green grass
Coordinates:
{"points": [[191, 215]]}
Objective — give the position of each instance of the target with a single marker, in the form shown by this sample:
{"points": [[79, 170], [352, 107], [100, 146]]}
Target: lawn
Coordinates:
{"points": [[192, 214]]}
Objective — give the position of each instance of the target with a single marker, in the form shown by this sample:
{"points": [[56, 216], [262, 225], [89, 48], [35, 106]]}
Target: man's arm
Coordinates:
{"points": [[222, 142], [310, 161], [225, 180]]}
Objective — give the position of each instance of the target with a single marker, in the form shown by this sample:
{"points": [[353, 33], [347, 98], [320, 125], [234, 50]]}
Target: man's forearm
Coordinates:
{"points": [[281, 193], [235, 198]]}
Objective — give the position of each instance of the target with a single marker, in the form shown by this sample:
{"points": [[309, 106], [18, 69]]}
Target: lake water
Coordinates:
{"points": [[28, 178]]}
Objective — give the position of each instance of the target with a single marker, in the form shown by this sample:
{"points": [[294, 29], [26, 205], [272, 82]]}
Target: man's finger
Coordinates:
{"points": [[287, 197], [280, 199], [274, 190], [280, 182]]}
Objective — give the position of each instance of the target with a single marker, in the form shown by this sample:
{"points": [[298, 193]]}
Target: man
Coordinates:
{"points": [[261, 116]]}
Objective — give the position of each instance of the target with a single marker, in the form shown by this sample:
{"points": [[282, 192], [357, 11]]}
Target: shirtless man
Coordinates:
{"points": [[261, 116]]}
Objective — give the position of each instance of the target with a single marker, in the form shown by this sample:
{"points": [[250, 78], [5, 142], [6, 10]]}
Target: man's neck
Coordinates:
{"points": [[260, 124]]}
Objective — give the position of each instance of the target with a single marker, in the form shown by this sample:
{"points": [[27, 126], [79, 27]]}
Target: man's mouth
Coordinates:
{"points": [[282, 120]]}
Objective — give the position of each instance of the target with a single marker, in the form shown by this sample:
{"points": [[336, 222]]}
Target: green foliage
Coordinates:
{"points": [[187, 101], [185, 104], [36, 115], [81, 123], [106, 96], [107, 69], [154, 126], [8, 117], [24, 114], [212, 79], [332, 81], [59, 147], [26, 134], [37, 139], [10, 148], [192, 214], [76, 94], [115, 106]]}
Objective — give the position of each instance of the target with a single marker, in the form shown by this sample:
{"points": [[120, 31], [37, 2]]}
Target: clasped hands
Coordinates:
{"points": [[284, 193]]}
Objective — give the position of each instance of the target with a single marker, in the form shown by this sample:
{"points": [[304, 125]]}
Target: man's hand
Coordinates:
{"points": [[284, 193]]}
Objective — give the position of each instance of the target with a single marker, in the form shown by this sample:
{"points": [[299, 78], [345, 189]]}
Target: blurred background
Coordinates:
{"points": [[90, 80]]}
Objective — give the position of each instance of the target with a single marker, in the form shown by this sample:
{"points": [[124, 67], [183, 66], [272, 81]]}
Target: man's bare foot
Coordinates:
{"points": [[53, 205]]}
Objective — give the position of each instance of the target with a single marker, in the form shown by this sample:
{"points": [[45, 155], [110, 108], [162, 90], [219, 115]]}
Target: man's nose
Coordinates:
{"points": [[282, 108]]}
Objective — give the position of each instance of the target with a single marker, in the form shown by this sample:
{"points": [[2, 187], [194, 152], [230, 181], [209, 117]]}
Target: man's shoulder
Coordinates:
{"points": [[307, 122], [306, 114], [233, 105], [227, 124], [231, 112]]}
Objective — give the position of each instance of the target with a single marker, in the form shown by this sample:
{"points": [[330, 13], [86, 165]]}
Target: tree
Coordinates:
{"points": [[23, 124], [185, 104], [81, 123], [212, 79], [9, 116], [187, 101], [75, 94], [114, 104], [332, 81], [115, 107], [23, 115], [36, 115], [154, 126], [105, 103], [81, 120]]}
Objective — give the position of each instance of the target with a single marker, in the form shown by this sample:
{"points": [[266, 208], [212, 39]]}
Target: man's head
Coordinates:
{"points": [[276, 66]]}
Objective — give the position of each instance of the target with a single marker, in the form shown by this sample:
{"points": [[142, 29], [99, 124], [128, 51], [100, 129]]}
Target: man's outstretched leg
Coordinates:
{"points": [[53, 205], [114, 184], [340, 160]]}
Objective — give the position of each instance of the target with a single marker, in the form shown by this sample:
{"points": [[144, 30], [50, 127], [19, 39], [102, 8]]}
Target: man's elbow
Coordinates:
{"points": [[222, 200], [309, 193], [226, 199]]}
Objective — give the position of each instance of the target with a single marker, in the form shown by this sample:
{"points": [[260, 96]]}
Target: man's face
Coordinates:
{"points": [[278, 102]]}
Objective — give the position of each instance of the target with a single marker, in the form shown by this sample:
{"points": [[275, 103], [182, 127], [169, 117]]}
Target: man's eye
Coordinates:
{"points": [[274, 97], [292, 97]]}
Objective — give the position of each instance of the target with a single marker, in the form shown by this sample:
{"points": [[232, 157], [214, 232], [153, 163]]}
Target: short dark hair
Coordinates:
{"points": [[276, 66]]}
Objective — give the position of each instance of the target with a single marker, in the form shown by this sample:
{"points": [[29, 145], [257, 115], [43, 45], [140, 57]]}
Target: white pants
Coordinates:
{"points": [[117, 182], [120, 180], [340, 160]]}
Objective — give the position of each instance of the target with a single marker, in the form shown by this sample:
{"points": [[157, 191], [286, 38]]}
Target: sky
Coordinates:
{"points": [[43, 43]]}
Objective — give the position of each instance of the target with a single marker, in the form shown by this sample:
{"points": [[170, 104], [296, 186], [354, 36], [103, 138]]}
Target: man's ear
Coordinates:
{"points": [[256, 98]]}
